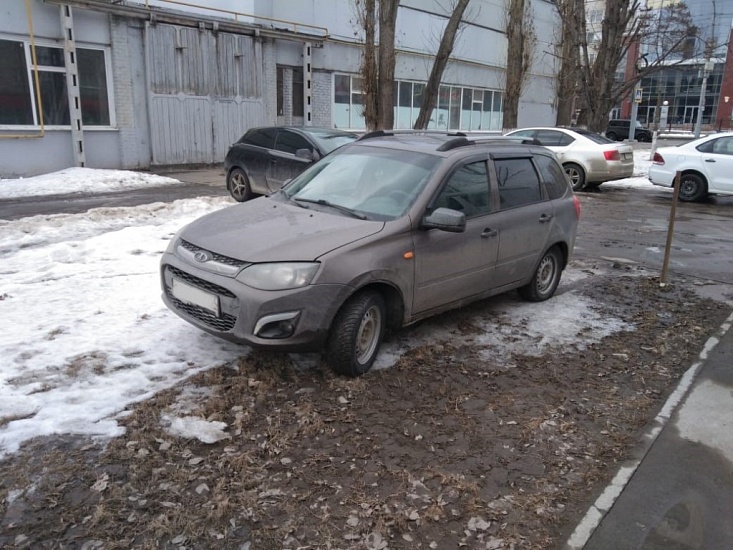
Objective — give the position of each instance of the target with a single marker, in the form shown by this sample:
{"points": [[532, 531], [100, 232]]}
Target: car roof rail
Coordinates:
{"points": [[461, 141], [385, 133]]}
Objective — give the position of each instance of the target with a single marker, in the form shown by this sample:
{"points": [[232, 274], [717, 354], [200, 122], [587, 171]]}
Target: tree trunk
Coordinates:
{"points": [[447, 42], [520, 49], [569, 61], [368, 21], [385, 80]]}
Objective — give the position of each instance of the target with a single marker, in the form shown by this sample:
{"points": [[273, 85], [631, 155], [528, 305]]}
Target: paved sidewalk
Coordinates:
{"points": [[680, 497]]}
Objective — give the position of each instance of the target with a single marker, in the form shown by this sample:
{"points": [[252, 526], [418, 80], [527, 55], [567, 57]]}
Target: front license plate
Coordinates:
{"points": [[195, 296]]}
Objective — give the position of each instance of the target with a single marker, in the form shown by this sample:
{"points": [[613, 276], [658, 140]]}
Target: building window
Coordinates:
{"points": [[18, 99], [456, 108], [280, 91]]}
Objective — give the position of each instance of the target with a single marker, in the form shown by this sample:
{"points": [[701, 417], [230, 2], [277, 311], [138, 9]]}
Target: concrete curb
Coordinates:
{"points": [[607, 499]]}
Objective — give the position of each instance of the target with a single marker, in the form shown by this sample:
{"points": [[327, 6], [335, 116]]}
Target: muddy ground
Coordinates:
{"points": [[444, 450]]}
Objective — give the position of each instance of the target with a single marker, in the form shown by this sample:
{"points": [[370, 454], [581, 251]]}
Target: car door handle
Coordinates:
{"points": [[544, 218], [488, 232], [709, 160]]}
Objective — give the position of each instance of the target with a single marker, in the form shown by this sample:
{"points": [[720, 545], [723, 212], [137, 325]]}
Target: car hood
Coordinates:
{"points": [[265, 230]]}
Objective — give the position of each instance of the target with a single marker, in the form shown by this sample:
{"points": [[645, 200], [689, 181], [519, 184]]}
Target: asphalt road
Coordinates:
{"points": [[629, 225]]}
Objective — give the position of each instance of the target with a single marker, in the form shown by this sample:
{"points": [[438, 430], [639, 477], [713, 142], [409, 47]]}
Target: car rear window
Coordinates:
{"points": [[596, 138]]}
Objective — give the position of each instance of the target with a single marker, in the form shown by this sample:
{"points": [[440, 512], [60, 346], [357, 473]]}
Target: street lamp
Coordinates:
{"points": [[707, 69], [640, 65]]}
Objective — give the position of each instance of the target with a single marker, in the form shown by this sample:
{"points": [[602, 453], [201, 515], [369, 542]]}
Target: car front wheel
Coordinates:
{"points": [[545, 279], [692, 188], [576, 175], [356, 334], [238, 185]]}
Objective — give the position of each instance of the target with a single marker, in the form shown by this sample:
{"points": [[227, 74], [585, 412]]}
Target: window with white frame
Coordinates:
{"points": [[18, 98], [457, 108]]}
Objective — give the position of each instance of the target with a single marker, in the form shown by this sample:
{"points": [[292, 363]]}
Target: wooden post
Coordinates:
{"points": [[670, 231]]}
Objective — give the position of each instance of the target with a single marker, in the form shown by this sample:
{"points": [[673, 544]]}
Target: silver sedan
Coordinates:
{"points": [[589, 159]]}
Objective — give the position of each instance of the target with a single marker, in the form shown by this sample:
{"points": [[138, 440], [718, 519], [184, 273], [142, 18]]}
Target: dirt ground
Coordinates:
{"points": [[444, 450]]}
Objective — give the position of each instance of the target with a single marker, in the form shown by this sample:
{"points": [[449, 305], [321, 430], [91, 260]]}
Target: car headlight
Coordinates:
{"points": [[278, 276], [171, 248]]}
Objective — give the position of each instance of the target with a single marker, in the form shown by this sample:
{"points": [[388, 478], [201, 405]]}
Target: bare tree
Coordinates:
{"points": [[378, 60], [521, 42], [430, 95], [625, 25]]}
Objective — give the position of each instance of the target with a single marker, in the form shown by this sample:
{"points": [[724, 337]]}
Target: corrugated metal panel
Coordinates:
{"points": [[205, 92], [231, 119]]}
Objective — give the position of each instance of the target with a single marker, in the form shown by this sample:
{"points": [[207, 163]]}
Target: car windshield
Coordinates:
{"points": [[377, 183], [328, 141]]}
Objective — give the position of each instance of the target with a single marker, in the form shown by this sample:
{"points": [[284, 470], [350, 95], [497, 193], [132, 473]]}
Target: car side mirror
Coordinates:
{"points": [[445, 219], [306, 154]]}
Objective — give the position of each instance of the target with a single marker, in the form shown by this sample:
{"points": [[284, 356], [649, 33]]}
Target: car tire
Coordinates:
{"points": [[356, 334], [238, 185], [545, 278], [612, 136], [692, 188], [576, 175], [645, 138]]}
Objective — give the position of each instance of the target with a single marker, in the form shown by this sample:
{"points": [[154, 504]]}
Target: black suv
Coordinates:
{"points": [[618, 130], [264, 158]]}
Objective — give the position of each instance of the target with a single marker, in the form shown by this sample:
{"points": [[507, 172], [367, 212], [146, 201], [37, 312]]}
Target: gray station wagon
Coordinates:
{"points": [[379, 234]]}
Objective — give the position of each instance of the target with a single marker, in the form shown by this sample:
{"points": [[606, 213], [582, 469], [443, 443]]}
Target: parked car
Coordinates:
{"points": [[379, 234], [264, 158], [706, 165], [618, 130], [589, 159]]}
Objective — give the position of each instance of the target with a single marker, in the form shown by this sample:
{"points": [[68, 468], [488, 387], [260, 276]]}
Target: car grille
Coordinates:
{"points": [[224, 323], [219, 258]]}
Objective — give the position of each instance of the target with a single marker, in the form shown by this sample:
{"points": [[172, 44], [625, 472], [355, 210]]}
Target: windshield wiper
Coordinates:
{"points": [[324, 202]]}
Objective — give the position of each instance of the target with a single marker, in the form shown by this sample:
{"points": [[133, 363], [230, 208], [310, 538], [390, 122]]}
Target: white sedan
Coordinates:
{"points": [[706, 165], [588, 158]]}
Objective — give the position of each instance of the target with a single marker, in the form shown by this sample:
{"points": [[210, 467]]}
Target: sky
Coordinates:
{"points": [[85, 334]]}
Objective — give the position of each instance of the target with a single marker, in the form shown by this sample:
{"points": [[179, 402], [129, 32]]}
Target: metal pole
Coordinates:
{"points": [[701, 104], [670, 231], [634, 109]]}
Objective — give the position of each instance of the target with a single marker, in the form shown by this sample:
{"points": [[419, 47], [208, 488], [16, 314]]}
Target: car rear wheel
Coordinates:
{"points": [[692, 188], [545, 279], [576, 175], [238, 185], [356, 334], [612, 136]]}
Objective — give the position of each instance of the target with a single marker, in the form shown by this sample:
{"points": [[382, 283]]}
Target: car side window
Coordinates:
{"points": [[518, 182], [290, 142], [523, 133], [549, 138], [553, 176], [263, 137], [722, 146], [466, 190]]}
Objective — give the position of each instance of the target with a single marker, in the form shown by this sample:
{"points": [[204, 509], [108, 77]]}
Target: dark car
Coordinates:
{"points": [[379, 234], [265, 158], [618, 130]]}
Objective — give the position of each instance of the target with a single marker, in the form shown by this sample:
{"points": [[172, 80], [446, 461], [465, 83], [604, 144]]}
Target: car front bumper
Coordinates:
{"points": [[290, 320]]}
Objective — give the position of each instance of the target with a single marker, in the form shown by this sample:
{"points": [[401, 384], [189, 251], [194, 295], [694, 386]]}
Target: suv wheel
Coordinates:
{"points": [[238, 185], [545, 279], [576, 175], [356, 334], [612, 136]]}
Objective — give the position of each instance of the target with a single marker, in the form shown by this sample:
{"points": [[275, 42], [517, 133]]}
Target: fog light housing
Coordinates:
{"points": [[277, 326]]}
